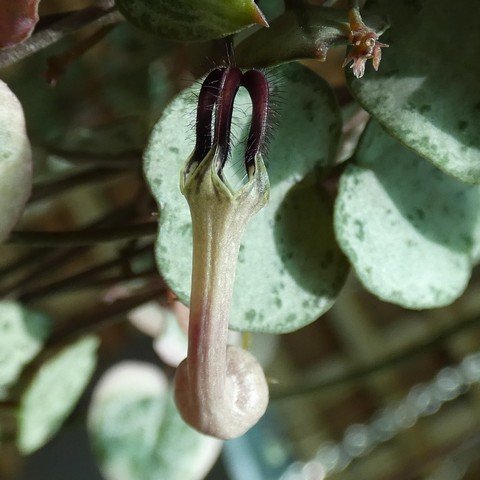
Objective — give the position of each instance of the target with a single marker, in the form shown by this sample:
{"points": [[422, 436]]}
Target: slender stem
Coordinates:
{"points": [[58, 64], [102, 315], [48, 188], [395, 360], [230, 50], [90, 283], [101, 14], [82, 237], [92, 319], [84, 278], [51, 259], [24, 261], [131, 159]]}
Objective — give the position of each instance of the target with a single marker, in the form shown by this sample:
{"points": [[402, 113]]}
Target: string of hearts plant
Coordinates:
{"points": [[275, 200]]}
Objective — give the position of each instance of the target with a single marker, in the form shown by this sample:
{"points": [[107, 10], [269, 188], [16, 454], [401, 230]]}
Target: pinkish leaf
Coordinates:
{"points": [[17, 20]]}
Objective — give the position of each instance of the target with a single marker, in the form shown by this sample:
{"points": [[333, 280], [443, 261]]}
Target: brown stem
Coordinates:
{"points": [[131, 159], [82, 237], [99, 15], [58, 64], [306, 388], [51, 259], [63, 182], [101, 315], [85, 278]]}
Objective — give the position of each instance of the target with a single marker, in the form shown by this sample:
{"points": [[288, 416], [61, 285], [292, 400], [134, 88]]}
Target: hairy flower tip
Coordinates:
{"points": [[364, 45]]}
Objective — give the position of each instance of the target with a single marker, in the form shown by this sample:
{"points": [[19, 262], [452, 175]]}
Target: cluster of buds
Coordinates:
{"points": [[364, 44]]}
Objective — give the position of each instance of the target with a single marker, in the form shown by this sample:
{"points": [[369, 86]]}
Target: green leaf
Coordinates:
{"points": [[137, 433], [426, 93], [22, 335], [122, 103], [191, 20], [15, 161], [271, 292], [410, 231], [54, 392]]}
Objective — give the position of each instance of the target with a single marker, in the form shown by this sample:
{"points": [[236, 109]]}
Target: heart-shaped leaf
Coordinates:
{"points": [[191, 20], [426, 93], [22, 334], [54, 392], [17, 20], [274, 291], [15, 161], [410, 231], [137, 432]]}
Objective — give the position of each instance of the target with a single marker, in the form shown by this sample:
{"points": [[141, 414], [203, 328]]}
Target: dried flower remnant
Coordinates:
{"points": [[221, 390], [17, 21], [364, 44]]}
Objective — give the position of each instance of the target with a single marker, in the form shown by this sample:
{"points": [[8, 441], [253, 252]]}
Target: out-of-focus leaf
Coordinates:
{"points": [[191, 20], [426, 92], [410, 231], [54, 392], [171, 344], [22, 334], [148, 318], [290, 269], [15, 161], [17, 20], [137, 433], [101, 104]]}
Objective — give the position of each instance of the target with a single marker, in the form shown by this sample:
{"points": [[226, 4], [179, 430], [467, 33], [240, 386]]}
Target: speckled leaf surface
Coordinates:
{"points": [[15, 161], [137, 433], [22, 335], [410, 231], [17, 21], [276, 288], [54, 392], [426, 92], [190, 20]]}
